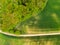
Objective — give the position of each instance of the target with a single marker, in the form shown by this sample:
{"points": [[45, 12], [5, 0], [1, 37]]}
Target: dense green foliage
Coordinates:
{"points": [[13, 12]]}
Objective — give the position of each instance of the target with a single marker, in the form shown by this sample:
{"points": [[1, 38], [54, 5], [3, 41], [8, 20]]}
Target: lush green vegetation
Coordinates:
{"points": [[53, 7], [13, 12]]}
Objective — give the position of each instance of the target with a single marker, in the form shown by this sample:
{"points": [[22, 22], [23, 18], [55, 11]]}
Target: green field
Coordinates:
{"points": [[50, 20]]}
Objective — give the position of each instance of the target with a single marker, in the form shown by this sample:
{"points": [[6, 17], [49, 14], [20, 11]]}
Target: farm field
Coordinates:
{"points": [[48, 22]]}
